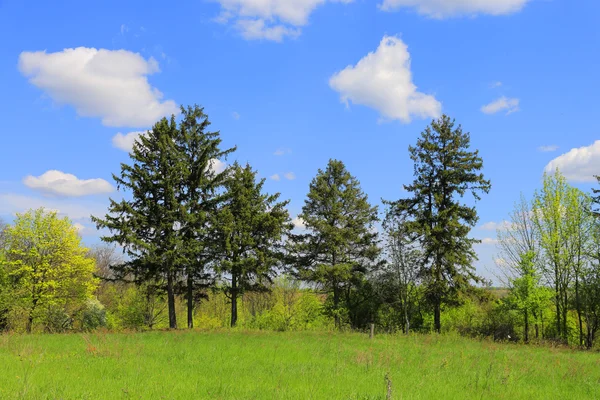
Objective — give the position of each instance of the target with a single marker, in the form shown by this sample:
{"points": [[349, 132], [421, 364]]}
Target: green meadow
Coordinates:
{"points": [[235, 364]]}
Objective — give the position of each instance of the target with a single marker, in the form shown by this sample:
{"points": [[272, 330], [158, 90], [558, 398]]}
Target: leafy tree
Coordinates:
{"points": [[445, 170], [558, 215], [399, 279], [47, 265], [249, 228], [339, 245], [590, 288], [527, 294], [162, 228]]}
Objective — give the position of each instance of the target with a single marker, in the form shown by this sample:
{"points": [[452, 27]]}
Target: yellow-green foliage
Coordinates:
{"points": [[50, 274]]}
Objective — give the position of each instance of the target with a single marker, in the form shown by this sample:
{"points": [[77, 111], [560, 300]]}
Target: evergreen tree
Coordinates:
{"points": [[340, 243], [200, 153], [174, 189], [249, 228], [445, 170]]}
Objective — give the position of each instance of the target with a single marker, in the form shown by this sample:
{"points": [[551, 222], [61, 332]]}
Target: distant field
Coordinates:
{"points": [[261, 365]]}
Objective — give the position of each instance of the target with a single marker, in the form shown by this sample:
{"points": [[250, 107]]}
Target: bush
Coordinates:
{"points": [[93, 316]]}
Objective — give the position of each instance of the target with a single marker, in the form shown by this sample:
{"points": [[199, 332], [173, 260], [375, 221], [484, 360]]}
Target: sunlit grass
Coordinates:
{"points": [[297, 365]]}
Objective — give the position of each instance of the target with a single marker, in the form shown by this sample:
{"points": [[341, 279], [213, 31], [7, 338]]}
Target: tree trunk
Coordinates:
{"points": [[578, 306], [190, 301], [234, 295], [29, 326], [557, 299], [171, 301], [406, 319], [437, 323], [336, 302], [526, 326]]}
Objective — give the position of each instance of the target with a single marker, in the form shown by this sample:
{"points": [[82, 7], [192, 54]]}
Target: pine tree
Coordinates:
{"points": [[201, 195], [340, 244], [249, 228], [174, 189], [445, 170]]}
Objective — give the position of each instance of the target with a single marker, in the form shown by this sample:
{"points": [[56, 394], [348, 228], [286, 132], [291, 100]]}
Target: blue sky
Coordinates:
{"points": [[316, 79]]}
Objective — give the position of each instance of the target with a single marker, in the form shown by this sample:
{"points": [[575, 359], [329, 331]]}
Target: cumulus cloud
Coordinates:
{"points": [[383, 80], [579, 164], [453, 8], [58, 183], [494, 226], [125, 142], [269, 19], [489, 241], [510, 105], [290, 176], [275, 177], [549, 148], [217, 166], [108, 84], [299, 223], [11, 203]]}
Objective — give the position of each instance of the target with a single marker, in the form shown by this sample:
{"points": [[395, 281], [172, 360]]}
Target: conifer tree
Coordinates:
{"points": [[340, 244], [249, 228], [444, 171], [201, 195], [174, 188]]}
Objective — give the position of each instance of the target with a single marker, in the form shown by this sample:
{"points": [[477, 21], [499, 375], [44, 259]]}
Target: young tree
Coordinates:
{"points": [[162, 228], [445, 170], [551, 213], [340, 244], [400, 274], [249, 229], [47, 264], [527, 295]]}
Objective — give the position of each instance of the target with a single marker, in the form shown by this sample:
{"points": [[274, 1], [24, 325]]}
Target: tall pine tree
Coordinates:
{"points": [[340, 243], [173, 184], [250, 228], [444, 170], [200, 153]]}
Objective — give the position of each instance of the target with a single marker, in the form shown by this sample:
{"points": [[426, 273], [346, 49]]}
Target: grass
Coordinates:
{"points": [[297, 365]]}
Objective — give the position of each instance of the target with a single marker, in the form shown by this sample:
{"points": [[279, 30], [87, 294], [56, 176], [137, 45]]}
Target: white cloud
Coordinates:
{"points": [[11, 203], [61, 184], [488, 241], [235, 115], [109, 84], [578, 164], [269, 19], [494, 226], [125, 142], [452, 8], [290, 176], [299, 223], [511, 105], [496, 84], [282, 151], [546, 149], [275, 177], [383, 80], [217, 166]]}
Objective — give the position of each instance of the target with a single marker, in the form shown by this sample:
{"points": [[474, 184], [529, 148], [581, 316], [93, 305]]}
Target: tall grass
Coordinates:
{"points": [[233, 364]]}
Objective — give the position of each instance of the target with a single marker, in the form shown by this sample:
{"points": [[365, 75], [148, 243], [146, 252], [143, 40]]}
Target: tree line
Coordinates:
{"points": [[192, 233]]}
